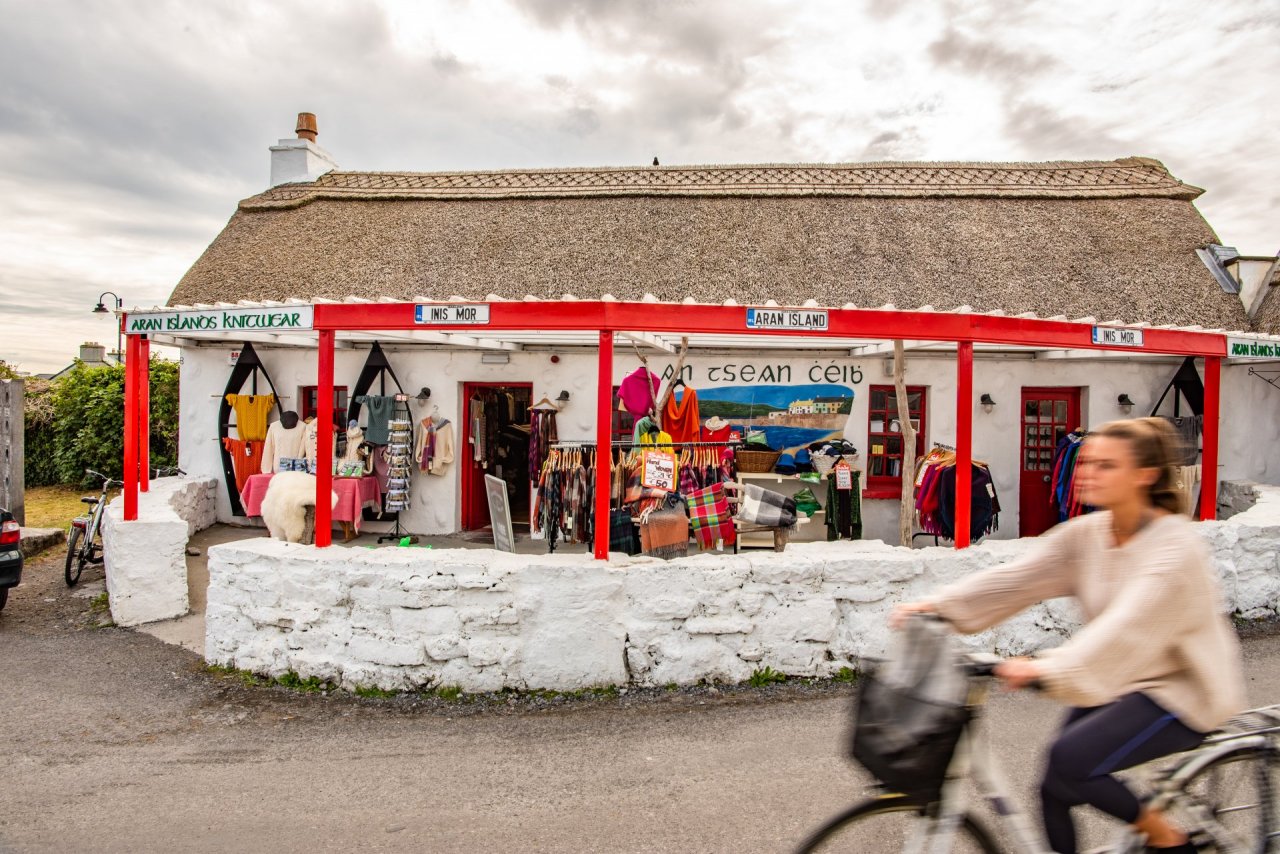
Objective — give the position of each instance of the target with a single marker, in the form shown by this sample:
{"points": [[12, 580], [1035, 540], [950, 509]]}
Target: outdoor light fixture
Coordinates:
{"points": [[1125, 404], [498, 357], [100, 308], [987, 402]]}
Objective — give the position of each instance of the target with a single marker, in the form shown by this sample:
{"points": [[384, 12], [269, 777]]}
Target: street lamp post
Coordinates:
{"points": [[100, 308]]}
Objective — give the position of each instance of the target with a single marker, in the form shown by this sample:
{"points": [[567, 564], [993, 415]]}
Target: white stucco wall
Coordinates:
{"points": [[481, 620], [1250, 424], [146, 560]]}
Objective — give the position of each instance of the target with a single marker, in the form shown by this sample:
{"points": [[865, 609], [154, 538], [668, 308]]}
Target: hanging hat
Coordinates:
{"points": [[715, 422], [424, 394]]}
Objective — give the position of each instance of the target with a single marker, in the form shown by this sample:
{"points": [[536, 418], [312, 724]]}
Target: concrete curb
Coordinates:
{"points": [[36, 540]]}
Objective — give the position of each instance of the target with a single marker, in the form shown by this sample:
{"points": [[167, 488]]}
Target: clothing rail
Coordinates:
{"points": [[618, 443]]}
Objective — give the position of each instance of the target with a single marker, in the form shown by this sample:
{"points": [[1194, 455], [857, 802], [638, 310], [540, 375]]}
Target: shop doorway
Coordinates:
{"points": [[495, 440], [1048, 414]]}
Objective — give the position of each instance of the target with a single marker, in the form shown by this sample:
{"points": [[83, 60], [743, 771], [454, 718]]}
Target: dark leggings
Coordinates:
{"points": [[1094, 743]]}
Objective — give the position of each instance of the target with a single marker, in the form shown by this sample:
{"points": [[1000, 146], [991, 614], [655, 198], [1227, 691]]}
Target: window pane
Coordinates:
{"points": [[1030, 437], [1029, 460], [1029, 412], [877, 399], [913, 402], [1060, 411], [1046, 409], [1046, 433], [877, 465], [893, 445]]}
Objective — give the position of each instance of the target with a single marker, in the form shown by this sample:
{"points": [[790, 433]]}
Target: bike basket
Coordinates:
{"points": [[910, 711]]}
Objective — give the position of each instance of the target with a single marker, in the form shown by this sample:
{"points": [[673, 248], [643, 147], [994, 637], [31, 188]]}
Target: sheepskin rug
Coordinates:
{"points": [[284, 507]]}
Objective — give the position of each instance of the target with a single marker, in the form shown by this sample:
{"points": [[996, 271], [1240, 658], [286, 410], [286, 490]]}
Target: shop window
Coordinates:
{"points": [[309, 396], [624, 422], [884, 438]]}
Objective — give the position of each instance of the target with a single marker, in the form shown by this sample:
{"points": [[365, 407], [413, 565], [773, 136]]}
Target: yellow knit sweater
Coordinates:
{"points": [[1154, 620]]}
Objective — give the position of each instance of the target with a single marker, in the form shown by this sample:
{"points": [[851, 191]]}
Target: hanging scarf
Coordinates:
{"points": [[680, 419]]}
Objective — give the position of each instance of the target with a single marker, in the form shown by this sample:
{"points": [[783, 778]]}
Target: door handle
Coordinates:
{"points": [[1046, 478]]}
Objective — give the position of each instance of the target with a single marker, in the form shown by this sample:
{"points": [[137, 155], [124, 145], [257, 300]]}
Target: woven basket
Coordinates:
{"points": [[757, 462], [823, 463]]}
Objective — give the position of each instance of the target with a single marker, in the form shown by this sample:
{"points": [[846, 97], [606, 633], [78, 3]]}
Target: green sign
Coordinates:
{"points": [[278, 319], [1252, 348]]}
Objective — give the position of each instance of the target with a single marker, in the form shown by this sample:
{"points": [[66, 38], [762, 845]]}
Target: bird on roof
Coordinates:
{"points": [[655, 161]]}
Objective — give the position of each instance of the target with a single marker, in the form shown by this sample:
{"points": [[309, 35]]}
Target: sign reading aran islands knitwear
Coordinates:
{"points": [[276, 319], [1252, 348]]}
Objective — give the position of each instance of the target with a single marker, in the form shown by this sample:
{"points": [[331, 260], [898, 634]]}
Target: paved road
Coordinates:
{"points": [[113, 741]]}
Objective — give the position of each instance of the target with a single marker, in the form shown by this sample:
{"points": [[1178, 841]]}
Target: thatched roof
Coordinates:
{"points": [[1112, 239]]}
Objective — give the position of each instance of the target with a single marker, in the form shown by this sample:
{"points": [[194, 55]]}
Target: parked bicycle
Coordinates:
{"points": [[84, 537], [1220, 793]]}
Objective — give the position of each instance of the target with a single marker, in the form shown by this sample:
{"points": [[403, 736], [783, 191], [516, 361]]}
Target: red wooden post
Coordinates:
{"points": [[131, 428], [144, 413], [604, 442], [1209, 456], [964, 440], [324, 441]]}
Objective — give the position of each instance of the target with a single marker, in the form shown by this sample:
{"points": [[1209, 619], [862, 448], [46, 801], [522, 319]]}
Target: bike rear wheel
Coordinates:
{"points": [[75, 557], [1233, 802], [888, 824]]}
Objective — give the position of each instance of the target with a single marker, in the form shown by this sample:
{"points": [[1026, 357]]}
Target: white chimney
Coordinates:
{"points": [[92, 353], [299, 160]]}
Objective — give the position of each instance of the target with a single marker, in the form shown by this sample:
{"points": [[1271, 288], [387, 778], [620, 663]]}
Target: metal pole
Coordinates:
{"points": [[144, 413], [1209, 455], [131, 433], [604, 439], [324, 440], [964, 441]]}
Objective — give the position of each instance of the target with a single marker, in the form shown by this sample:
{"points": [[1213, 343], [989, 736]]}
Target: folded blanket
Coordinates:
{"points": [[767, 508], [665, 534]]}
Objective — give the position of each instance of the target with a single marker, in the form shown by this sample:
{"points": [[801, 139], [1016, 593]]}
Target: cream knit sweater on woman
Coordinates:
{"points": [[1154, 620]]}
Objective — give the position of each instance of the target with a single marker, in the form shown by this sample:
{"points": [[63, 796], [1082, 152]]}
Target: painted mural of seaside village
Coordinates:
{"points": [[791, 416]]}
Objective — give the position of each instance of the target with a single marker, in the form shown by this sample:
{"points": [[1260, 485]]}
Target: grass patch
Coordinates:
{"points": [[372, 692], [54, 506], [310, 685], [248, 678], [449, 692], [765, 676], [100, 603], [845, 674]]}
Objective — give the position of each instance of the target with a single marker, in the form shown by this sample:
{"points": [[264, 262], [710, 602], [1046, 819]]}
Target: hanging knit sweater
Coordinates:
{"points": [[680, 419], [283, 443]]}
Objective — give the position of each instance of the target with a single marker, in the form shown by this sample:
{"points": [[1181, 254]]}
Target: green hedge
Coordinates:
{"points": [[77, 422]]}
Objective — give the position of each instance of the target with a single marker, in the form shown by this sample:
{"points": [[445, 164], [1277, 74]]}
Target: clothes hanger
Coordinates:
{"points": [[544, 405]]}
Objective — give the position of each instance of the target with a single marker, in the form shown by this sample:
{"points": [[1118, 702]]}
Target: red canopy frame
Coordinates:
{"points": [[606, 318]]}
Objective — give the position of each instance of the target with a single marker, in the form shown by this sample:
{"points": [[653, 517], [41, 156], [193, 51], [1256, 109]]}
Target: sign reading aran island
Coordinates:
{"points": [[275, 319], [1252, 348], [459, 313], [786, 318], [1117, 336]]}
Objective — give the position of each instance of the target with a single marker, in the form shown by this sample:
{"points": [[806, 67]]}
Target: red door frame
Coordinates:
{"points": [[1071, 394], [472, 492]]}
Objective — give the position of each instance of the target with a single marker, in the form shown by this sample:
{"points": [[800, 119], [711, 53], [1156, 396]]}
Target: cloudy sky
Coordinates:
{"points": [[129, 129]]}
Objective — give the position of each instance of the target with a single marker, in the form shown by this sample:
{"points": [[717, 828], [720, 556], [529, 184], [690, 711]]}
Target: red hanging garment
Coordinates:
{"points": [[680, 419]]}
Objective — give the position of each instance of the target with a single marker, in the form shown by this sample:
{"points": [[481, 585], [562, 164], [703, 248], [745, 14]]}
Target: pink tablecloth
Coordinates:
{"points": [[354, 494]]}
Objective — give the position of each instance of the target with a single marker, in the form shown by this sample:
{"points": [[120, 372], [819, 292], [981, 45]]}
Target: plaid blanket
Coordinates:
{"points": [[623, 535], [709, 516], [767, 508], [664, 533]]}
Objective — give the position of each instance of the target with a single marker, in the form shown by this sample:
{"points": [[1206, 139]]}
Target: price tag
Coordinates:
{"points": [[659, 471], [844, 476]]}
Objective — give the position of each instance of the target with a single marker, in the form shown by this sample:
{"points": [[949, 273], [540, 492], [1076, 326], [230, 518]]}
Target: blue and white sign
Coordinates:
{"points": [[1117, 336], [452, 314], [786, 318]]}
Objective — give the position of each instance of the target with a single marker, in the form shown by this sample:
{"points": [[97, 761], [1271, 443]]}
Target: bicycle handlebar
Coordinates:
{"points": [[106, 481]]}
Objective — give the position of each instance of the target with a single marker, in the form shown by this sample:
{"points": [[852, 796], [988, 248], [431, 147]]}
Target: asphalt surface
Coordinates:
{"points": [[111, 740]]}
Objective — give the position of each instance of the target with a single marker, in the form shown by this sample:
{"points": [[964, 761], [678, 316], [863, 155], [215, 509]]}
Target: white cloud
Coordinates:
{"points": [[128, 130]]}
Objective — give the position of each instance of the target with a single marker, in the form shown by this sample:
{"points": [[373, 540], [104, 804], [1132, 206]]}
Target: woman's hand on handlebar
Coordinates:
{"points": [[906, 610], [1018, 673]]}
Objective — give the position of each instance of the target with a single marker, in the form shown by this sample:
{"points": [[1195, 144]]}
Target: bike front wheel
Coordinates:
{"points": [[75, 557], [1232, 800], [894, 823]]}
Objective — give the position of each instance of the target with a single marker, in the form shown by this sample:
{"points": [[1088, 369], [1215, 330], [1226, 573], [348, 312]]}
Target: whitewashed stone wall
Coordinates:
{"points": [[146, 560], [481, 620]]}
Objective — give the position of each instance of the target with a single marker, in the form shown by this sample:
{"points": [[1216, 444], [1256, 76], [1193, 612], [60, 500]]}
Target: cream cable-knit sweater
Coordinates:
{"points": [[1153, 613]]}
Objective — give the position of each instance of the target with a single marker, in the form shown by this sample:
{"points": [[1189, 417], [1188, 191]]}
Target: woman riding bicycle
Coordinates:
{"points": [[1156, 665]]}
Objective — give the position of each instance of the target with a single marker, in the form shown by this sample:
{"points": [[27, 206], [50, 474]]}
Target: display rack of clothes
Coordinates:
{"points": [[242, 451], [1062, 482], [564, 503], [935, 495], [542, 434]]}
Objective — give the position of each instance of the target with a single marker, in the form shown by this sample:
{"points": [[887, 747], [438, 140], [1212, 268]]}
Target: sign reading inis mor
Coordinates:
{"points": [[277, 319], [786, 318], [1117, 336], [1252, 348], [452, 313]]}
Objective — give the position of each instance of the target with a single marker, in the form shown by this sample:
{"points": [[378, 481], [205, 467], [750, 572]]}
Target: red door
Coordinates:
{"points": [[1048, 414], [475, 501]]}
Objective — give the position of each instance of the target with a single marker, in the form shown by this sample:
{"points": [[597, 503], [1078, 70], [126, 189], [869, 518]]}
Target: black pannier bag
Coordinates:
{"points": [[910, 710]]}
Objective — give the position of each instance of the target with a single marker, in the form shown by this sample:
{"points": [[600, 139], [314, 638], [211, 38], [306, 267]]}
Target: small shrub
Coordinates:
{"points": [[765, 676], [846, 674]]}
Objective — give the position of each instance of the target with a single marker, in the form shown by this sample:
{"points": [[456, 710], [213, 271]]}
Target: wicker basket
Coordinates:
{"points": [[757, 462], [823, 463]]}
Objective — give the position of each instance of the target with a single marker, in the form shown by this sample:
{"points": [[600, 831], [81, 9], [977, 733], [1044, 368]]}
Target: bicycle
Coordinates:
{"points": [[1219, 792], [84, 540]]}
